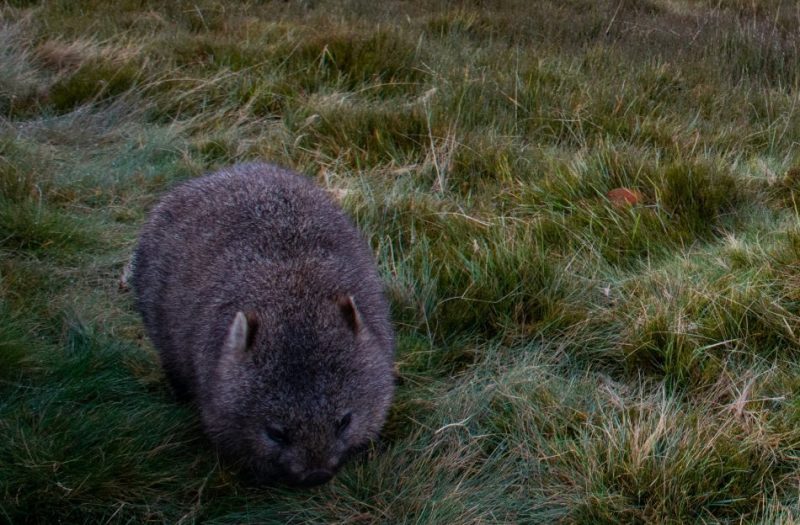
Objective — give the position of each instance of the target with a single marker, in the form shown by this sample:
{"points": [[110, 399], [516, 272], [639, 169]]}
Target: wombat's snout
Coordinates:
{"points": [[315, 477]]}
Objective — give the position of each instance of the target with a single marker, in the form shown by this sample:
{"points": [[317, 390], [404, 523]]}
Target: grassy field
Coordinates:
{"points": [[563, 358]]}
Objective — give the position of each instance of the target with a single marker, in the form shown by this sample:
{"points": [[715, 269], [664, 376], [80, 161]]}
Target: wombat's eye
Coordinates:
{"points": [[343, 423], [276, 435]]}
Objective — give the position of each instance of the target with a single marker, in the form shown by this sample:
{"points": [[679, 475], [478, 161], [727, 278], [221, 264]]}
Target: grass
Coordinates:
{"points": [[563, 358]]}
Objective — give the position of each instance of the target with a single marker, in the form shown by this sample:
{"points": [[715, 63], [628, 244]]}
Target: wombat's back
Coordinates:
{"points": [[253, 235]]}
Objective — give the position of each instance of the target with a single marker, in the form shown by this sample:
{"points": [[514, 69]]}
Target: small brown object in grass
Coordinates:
{"points": [[623, 197]]}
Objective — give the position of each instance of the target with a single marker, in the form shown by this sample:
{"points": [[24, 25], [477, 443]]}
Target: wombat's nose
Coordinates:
{"points": [[317, 477]]}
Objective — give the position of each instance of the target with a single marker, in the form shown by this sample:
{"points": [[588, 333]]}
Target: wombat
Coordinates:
{"points": [[266, 308]]}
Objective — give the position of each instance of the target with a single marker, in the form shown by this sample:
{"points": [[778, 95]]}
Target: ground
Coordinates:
{"points": [[565, 354]]}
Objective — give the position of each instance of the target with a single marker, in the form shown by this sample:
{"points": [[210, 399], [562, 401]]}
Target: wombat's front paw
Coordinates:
{"points": [[125, 278]]}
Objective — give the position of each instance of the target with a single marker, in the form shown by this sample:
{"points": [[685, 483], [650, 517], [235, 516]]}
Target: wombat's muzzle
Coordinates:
{"points": [[282, 477], [315, 477]]}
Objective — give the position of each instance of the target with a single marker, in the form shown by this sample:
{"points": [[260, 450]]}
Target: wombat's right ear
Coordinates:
{"points": [[241, 334], [347, 305]]}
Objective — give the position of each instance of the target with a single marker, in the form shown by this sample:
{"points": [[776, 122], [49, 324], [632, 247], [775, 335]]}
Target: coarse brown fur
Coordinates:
{"points": [[266, 308]]}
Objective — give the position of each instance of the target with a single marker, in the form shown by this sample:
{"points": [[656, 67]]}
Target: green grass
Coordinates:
{"points": [[562, 358]]}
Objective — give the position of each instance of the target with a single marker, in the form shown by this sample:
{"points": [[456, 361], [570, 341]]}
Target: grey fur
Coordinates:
{"points": [[266, 308]]}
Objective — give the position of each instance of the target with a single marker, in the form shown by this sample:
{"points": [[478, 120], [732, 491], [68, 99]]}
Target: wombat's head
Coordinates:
{"points": [[292, 400]]}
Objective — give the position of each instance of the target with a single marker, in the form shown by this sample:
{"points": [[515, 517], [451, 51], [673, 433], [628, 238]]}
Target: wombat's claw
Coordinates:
{"points": [[124, 279]]}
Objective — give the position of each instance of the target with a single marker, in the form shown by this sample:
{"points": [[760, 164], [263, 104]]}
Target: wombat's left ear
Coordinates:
{"points": [[241, 334], [347, 305]]}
